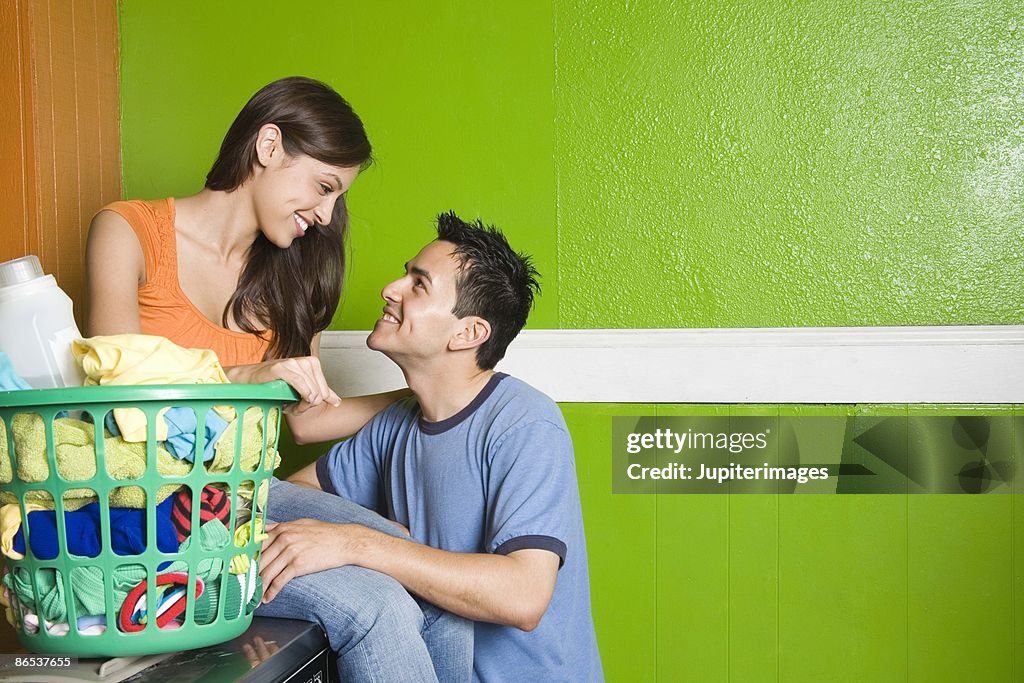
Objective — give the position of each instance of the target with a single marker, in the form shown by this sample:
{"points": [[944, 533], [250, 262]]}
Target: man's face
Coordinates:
{"points": [[417, 320]]}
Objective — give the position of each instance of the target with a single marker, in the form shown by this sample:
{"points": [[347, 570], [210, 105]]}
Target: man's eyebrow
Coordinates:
{"points": [[418, 271], [422, 273]]}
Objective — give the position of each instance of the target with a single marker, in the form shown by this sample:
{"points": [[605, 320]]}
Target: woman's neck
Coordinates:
{"points": [[223, 222]]}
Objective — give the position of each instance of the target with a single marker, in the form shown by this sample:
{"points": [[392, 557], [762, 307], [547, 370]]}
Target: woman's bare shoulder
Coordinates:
{"points": [[113, 245]]}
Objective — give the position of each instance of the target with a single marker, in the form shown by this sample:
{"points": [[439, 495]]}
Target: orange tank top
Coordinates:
{"points": [[164, 309]]}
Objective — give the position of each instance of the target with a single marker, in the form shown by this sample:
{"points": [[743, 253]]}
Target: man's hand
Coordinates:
{"points": [[303, 546], [259, 651]]}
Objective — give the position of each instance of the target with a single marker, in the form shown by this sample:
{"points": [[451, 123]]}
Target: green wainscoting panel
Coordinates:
{"points": [[1018, 546], [842, 575], [960, 556], [692, 577], [754, 567], [293, 456], [621, 546]]}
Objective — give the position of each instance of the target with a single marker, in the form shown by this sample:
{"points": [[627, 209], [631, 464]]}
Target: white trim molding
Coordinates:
{"points": [[976, 364]]}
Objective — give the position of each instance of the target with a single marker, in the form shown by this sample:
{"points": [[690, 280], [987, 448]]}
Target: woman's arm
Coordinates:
{"points": [[326, 422], [115, 269], [303, 374], [311, 422]]}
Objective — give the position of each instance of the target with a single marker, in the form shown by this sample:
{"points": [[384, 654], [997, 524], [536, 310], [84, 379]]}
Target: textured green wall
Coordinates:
{"points": [[790, 163], [707, 164], [682, 165]]}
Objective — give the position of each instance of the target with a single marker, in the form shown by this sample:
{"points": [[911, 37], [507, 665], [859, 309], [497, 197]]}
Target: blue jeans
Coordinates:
{"points": [[377, 630]]}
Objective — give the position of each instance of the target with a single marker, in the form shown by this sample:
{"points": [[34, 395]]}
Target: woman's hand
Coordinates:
{"points": [[303, 374]]}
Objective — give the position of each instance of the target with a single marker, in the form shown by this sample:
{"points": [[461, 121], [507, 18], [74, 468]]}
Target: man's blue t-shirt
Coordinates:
{"points": [[498, 476]]}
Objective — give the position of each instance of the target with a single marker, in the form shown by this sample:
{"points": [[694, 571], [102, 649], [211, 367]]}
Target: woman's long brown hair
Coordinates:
{"points": [[291, 294]]}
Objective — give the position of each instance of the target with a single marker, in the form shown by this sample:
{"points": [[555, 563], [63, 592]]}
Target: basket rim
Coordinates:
{"points": [[277, 390]]}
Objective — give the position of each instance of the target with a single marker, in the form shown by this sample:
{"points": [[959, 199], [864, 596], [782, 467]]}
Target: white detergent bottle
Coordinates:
{"points": [[37, 325]]}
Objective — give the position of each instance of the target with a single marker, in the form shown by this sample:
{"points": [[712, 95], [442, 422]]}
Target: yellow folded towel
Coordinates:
{"points": [[131, 359], [76, 458], [10, 523], [252, 443], [145, 359], [74, 444]]}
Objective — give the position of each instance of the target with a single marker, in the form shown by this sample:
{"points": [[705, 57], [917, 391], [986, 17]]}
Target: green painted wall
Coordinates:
{"points": [[790, 163], [701, 164], [712, 164], [457, 99]]}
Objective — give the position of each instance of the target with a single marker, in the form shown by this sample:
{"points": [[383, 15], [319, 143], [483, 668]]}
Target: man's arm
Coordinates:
{"points": [[307, 477], [512, 589]]}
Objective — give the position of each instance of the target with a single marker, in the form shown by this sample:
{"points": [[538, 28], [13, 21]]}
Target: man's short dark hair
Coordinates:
{"points": [[494, 282]]}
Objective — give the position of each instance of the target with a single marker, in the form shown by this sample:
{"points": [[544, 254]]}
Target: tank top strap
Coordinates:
{"points": [[153, 224]]}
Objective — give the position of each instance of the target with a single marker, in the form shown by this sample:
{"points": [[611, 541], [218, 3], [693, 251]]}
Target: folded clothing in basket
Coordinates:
{"points": [[125, 359], [86, 588], [9, 379], [74, 445], [135, 359], [214, 503], [82, 529], [171, 602], [181, 433], [180, 425], [242, 590]]}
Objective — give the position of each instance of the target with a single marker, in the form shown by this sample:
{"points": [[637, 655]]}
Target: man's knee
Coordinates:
{"points": [[385, 604], [352, 604]]}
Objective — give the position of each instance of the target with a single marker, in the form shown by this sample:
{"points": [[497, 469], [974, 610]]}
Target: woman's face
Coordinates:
{"points": [[292, 193]]}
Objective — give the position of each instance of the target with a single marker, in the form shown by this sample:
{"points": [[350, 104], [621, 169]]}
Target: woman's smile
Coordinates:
{"points": [[301, 224]]}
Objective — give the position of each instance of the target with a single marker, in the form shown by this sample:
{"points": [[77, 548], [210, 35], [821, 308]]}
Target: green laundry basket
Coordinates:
{"points": [[55, 431]]}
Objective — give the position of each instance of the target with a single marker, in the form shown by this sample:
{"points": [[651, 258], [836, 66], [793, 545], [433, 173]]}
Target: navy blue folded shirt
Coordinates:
{"points": [[127, 531]]}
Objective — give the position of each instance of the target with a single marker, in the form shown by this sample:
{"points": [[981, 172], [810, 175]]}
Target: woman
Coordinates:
{"points": [[252, 267]]}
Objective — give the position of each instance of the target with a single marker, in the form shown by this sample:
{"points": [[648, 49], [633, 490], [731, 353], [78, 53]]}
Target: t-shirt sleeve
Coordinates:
{"points": [[533, 498], [353, 468]]}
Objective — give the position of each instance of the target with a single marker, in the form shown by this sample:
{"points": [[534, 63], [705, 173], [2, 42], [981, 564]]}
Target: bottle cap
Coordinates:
{"points": [[20, 270]]}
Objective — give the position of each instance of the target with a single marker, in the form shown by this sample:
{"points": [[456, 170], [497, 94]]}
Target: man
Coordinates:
{"points": [[477, 465]]}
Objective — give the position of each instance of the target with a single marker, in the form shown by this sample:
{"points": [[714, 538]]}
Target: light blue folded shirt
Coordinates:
{"points": [[9, 379], [181, 432]]}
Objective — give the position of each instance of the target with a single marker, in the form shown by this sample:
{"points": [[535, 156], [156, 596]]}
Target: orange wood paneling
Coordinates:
{"points": [[18, 224], [60, 161], [68, 113]]}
